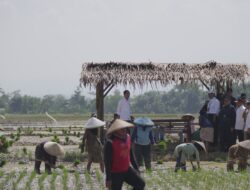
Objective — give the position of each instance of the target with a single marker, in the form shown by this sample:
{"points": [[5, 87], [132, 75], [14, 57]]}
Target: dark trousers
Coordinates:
{"points": [[131, 177], [180, 165], [37, 167], [143, 152], [239, 134], [227, 138]]}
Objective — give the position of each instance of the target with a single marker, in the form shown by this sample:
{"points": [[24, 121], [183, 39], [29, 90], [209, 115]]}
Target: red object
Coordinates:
{"points": [[120, 155]]}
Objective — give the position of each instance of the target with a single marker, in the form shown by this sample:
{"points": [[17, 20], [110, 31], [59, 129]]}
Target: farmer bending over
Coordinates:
{"points": [[47, 152], [188, 151], [118, 157], [238, 152]]}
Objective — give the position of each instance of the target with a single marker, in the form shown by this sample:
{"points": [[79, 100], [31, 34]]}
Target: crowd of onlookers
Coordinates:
{"points": [[224, 120]]}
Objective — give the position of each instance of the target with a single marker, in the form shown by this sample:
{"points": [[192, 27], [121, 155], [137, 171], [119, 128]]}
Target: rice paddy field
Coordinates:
{"points": [[161, 178], [17, 172]]}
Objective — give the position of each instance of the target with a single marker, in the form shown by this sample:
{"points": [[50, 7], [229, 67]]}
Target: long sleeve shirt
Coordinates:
{"points": [[188, 150], [118, 156], [213, 106], [124, 109], [239, 123], [142, 135]]}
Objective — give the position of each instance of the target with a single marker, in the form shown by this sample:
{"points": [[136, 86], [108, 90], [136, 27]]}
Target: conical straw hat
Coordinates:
{"points": [[119, 124], [54, 149], [245, 144], [201, 144], [144, 121], [93, 122], [188, 115]]}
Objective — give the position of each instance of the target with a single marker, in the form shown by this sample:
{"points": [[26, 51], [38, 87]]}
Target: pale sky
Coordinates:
{"points": [[43, 43]]}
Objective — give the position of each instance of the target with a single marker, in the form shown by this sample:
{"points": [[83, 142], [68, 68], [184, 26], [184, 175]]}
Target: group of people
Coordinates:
{"points": [[128, 142], [224, 121]]}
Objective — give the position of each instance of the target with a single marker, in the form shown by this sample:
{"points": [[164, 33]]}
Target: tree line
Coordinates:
{"points": [[180, 99]]}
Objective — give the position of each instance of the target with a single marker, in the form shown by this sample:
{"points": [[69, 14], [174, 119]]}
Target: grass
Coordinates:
{"points": [[20, 177], [41, 180]]}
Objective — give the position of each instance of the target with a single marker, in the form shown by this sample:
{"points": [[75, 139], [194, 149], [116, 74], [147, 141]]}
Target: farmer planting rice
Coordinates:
{"points": [[239, 152], [92, 142], [120, 164], [188, 151], [47, 152]]}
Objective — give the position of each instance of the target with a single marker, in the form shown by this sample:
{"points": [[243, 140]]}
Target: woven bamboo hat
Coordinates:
{"points": [[54, 149], [245, 144], [93, 122], [119, 124], [144, 121], [200, 144], [188, 116]]}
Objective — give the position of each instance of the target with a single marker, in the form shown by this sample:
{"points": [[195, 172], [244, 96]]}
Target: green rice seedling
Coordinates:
{"points": [[41, 135], [52, 181], [24, 151], [100, 179], [8, 177], [28, 183], [20, 177], [1, 173], [50, 129], [76, 162], [78, 185], [65, 179], [67, 139], [12, 136], [78, 134], [88, 179], [55, 139], [41, 180]]}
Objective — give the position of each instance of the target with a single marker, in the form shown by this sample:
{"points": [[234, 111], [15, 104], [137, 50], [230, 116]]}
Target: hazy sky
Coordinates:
{"points": [[43, 43]]}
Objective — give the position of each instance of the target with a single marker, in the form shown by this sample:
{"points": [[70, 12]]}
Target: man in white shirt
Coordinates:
{"points": [[239, 123], [124, 108], [213, 109]]}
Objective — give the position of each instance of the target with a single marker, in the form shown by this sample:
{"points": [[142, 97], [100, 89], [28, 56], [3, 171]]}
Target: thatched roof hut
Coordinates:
{"points": [[103, 76], [141, 73]]}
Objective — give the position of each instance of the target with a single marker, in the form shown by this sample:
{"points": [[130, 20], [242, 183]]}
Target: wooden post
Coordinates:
{"points": [[100, 107]]}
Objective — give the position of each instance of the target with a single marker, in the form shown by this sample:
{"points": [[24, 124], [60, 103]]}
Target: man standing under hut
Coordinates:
{"points": [[240, 123], [188, 151], [92, 142], [124, 108], [47, 152], [213, 109], [226, 123], [143, 138], [239, 152], [120, 164]]}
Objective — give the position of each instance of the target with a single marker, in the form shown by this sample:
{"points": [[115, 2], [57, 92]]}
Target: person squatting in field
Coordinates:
{"points": [[92, 142], [239, 152], [188, 151], [47, 152], [120, 163]]}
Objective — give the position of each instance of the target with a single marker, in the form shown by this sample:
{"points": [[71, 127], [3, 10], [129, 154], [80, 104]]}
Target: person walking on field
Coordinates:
{"points": [[92, 142], [120, 164], [124, 108], [143, 139], [48, 152], [240, 123]]}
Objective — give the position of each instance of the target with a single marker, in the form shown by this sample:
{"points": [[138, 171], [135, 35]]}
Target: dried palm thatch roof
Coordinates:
{"points": [[142, 73]]}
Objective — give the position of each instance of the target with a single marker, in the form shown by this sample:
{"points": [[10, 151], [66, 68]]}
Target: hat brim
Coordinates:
{"points": [[54, 149], [93, 122], [188, 116], [119, 124], [245, 144], [144, 121], [200, 144]]}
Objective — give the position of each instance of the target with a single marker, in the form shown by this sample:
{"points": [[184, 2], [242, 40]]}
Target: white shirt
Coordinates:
{"points": [[247, 121], [213, 106], [123, 109], [239, 122]]}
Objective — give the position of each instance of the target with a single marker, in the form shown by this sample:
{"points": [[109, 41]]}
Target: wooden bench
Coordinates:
{"points": [[175, 126]]}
